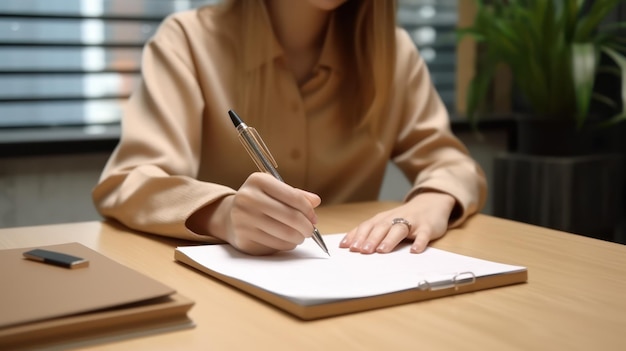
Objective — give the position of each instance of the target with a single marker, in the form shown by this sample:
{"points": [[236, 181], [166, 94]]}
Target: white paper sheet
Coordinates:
{"points": [[308, 276]]}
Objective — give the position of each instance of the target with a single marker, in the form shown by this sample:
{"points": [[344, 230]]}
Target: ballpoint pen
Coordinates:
{"points": [[263, 159]]}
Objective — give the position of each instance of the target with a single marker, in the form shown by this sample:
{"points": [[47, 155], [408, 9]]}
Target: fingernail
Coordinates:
{"points": [[355, 246], [414, 249], [381, 248], [367, 248], [344, 242]]}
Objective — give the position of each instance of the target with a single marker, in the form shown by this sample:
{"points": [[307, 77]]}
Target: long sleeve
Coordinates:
{"points": [[425, 148], [150, 180]]}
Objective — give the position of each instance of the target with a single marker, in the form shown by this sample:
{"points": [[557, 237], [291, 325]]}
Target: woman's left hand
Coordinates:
{"points": [[426, 215]]}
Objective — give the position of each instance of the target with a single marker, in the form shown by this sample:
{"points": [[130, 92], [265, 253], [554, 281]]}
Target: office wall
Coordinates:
{"points": [[57, 189], [48, 189]]}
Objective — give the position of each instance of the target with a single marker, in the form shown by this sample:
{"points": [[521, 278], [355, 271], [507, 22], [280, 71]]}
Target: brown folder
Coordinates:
{"points": [[79, 306]]}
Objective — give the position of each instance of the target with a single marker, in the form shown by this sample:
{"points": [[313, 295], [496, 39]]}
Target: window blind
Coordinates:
{"points": [[75, 62], [431, 25]]}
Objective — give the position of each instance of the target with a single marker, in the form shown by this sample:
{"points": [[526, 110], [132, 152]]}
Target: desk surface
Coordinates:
{"points": [[574, 300]]}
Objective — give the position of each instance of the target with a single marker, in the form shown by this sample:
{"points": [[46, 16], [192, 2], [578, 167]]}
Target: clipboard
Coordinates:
{"points": [[75, 307], [259, 276]]}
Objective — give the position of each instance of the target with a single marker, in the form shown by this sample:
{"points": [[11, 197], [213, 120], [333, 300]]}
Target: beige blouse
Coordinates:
{"points": [[179, 150]]}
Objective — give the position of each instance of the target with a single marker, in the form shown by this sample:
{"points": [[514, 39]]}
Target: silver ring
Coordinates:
{"points": [[401, 221]]}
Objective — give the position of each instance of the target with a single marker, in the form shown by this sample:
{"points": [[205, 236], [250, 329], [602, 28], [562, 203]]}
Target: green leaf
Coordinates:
{"points": [[584, 61], [604, 99], [613, 121], [571, 12], [463, 33], [615, 46], [478, 88], [592, 19], [615, 71], [620, 61]]}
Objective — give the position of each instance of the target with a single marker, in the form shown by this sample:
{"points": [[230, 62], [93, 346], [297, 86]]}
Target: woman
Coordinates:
{"points": [[336, 91]]}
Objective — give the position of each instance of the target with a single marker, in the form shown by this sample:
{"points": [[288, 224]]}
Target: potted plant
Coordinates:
{"points": [[556, 51]]}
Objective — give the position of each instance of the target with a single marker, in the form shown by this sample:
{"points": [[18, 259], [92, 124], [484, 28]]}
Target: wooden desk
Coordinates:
{"points": [[575, 298]]}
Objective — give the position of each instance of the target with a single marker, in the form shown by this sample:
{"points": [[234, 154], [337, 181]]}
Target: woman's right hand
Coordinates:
{"points": [[267, 215]]}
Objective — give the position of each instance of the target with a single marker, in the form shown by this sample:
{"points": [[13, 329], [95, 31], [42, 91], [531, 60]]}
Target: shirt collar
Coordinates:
{"points": [[260, 28]]}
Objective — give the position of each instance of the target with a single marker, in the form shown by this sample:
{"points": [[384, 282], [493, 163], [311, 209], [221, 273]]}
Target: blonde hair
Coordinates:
{"points": [[367, 26]]}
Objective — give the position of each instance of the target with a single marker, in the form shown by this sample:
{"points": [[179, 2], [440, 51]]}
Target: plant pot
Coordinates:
{"points": [[559, 137], [577, 194], [562, 177]]}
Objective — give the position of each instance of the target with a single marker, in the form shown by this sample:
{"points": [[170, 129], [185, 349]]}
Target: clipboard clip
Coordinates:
{"points": [[457, 280]]}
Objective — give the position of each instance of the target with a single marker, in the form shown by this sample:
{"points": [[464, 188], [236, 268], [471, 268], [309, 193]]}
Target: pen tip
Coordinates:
{"points": [[234, 118]]}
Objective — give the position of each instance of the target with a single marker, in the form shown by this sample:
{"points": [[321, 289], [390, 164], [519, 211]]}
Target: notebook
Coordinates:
{"points": [[84, 305], [309, 284]]}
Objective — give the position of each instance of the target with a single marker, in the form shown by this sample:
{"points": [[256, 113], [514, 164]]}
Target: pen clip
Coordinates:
{"points": [[265, 152]]}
